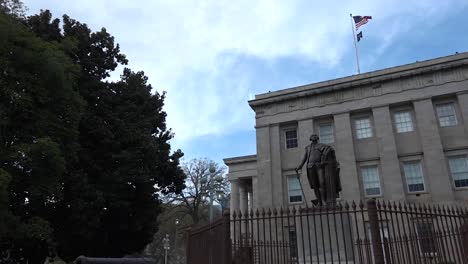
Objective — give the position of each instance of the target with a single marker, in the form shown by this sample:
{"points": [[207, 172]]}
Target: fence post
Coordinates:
{"points": [[227, 254], [464, 241], [188, 255], [375, 232]]}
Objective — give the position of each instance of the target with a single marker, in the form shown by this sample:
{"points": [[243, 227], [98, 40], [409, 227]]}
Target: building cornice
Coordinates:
{"points": [[241, 159], [375, 77]]}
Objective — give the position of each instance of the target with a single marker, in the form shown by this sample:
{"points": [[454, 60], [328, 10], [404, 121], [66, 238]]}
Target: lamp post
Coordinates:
{"points": [[175, 241], [223, 201], [213, 189], [166, 247]]}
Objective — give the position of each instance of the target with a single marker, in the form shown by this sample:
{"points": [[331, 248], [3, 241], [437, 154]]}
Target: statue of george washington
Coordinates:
{"points": [[322, 171]]}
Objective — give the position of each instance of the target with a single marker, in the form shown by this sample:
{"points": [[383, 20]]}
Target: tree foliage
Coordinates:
{"points": [[82, 159], [14, 8], [203, 176]]}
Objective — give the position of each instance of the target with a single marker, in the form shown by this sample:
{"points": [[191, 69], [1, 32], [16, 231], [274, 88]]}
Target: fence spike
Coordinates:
{"points": [[275, 212], [417, 208], [340, 207], [346, 206], [240, 214], [293, 211], [257, 213], [377, 204], [353, 205], [234, 214], [281, 211], [288, 212], [446, 209], [454, 210], [361, 205], [384, 205], [263, 212], [405, 207], [462, 211], [269, 212], [458, 210]]}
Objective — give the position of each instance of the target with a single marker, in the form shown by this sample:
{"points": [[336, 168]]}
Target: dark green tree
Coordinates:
{"points": [[40, 111], [82, 159], [111, 203]]}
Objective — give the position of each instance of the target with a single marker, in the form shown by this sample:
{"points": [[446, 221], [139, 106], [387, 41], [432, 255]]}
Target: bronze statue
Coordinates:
{"points": [[322, 171]]}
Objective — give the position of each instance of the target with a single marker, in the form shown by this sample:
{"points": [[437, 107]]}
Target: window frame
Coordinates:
{"points": [[371, 127], [289, 190], [361, 169], [323, 124], [465, 156], [410, 115], [454, 108], [421, 169], [286, 138]]}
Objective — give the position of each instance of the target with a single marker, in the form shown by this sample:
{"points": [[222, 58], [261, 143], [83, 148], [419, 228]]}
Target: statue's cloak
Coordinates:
{"points": [[331, 170]]}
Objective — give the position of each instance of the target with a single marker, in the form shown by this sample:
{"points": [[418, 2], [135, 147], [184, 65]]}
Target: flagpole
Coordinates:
{"points": [[355, 45]]}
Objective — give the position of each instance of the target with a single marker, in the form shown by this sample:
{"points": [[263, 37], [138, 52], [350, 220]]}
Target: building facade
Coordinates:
{"points": [[400, 134]]}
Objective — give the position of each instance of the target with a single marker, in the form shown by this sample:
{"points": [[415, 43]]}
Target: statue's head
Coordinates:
{"points": [[314, 138]]}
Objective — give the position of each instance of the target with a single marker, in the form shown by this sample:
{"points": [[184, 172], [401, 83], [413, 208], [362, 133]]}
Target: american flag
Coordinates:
{"points": [[361, 20]]}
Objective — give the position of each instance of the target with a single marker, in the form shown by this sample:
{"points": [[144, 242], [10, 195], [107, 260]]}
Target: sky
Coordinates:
{"points": [[212, 56]]}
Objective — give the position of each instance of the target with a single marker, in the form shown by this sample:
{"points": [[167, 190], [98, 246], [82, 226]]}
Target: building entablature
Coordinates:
{"points": [[431, 73], [241, 167]]}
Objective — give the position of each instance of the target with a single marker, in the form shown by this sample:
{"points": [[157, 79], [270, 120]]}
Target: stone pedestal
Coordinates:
{"points": [[325, 237]]}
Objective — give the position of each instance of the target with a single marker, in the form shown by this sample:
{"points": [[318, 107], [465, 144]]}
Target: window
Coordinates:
{"points": [[425, 234], [459, 169], [403, 122], [326, 133], [414, 176], [294, 190], [291, 139], [370, 180], [446, 114], [363, 128]]}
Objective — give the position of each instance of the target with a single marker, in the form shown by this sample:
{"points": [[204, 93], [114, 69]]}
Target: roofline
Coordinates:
{"points": [[378, 76], [240, 159]]}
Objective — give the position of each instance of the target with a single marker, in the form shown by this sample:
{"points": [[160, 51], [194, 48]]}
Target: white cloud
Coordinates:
{"points": [[190, 48]]}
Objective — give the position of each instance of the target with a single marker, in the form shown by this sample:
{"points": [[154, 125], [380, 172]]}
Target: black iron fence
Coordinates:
{"points": [[370, 232], [210, 244]]}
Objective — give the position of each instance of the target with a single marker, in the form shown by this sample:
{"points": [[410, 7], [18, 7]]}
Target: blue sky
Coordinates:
{"points": [[213, 56]]}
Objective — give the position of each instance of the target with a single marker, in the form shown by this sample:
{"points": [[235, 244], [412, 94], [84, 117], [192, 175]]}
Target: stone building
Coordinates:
{"points": [[400, 134]]}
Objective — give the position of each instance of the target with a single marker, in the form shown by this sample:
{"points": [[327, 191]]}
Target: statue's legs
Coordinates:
{"points": [[317, 182], [322, 192]]}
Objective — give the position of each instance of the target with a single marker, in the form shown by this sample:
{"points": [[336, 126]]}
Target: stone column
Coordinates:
{"points": [[277, 186], [244, 199], [440, 185], [389, 163], [346, 158], [254, 193], [463, 103], [244, 204], [234, 195], [264, 193]]}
